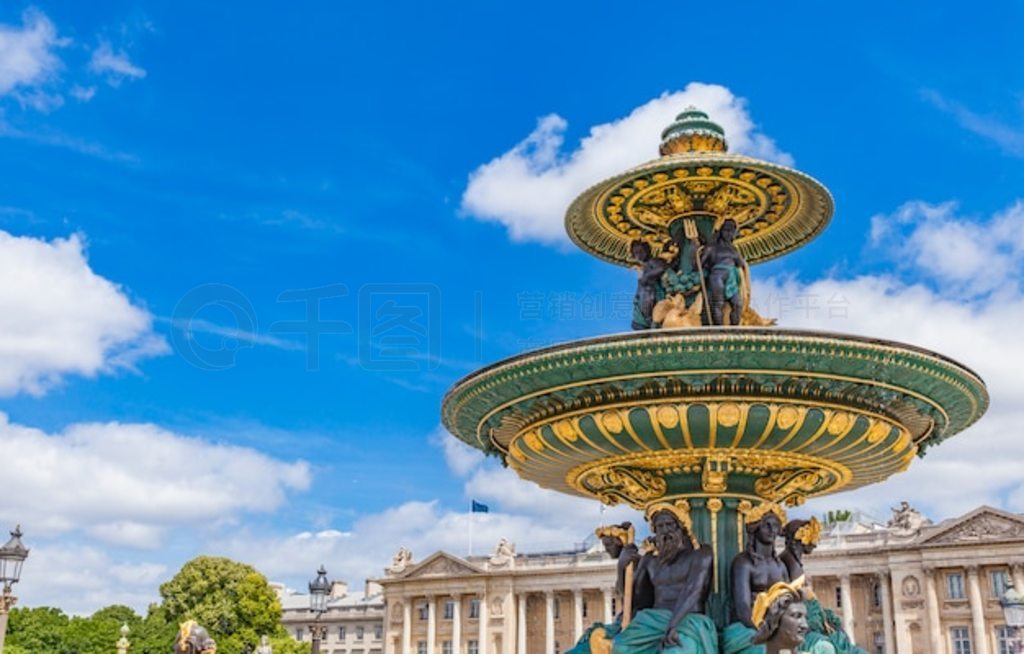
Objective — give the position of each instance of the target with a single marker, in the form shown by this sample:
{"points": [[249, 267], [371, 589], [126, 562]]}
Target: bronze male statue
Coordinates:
{"points": [[725, 267], [670, 590]]}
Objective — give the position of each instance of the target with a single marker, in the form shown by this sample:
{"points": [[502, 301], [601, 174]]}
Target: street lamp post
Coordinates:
{"points": [[319, 589], [1012, 602], [12, 557]]}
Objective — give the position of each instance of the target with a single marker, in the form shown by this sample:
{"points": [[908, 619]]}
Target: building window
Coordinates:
{"points": [[876, 595], [446, 647], [424, 611], [1000, 580], [1004, 637], [421, 647], [449, 609], [839, 597], [474, 609], [955, 586], [558, 608], [879, 640], [341, 632], [615, 606], [584, 608], [558, 647], [961, 638], [378, 632], [472, 647], [360, 631], [298, 633]]}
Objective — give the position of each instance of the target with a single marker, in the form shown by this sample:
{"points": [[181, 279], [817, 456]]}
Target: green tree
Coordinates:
{"points": [[232, 600], [836, 516], [42, 629]]}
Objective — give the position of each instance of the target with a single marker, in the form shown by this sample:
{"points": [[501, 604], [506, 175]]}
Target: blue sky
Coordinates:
{"points": [[166, 165]]}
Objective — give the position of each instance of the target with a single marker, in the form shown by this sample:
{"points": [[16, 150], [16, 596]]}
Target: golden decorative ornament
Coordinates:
{"points": [[728, 415], [755, 514], [668, 416], [764, 600], [810, 533], [787, 417], [839, 423], [611, 421], [533, 440]]}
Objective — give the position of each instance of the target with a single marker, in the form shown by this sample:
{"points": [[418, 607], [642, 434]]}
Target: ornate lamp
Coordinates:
{"points": [[12, 557], [319, 589]]}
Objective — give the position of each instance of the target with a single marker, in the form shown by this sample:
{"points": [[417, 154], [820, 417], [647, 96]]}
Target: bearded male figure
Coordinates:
{"points": [[670, 590]]}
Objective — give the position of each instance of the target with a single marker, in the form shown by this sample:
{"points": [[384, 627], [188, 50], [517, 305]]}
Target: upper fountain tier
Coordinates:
{"points": [[777, 209]]}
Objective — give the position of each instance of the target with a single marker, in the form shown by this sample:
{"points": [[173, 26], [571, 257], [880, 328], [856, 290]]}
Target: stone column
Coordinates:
{"points": [[885, 590], [549, 622], [483, 634], [431, 624], [521, 624], [606, 596], [577, 615], [980, 644], [847, 600], [457, 625], [934, 622], [407, 625]]}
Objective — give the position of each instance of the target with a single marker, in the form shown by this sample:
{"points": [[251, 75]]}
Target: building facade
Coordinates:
{"points": [[919, 588], [501, 604], [906, 587], [354, 621]]}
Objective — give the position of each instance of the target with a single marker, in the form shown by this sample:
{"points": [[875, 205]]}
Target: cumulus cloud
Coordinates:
{"points": [[58, 317], [127, 483], [28, 56], [963, 255], [460, 458], [81, 579], [528, 188], [114, 66], [424, 527]]}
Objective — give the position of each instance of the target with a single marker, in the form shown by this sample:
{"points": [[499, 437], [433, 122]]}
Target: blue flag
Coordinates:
{"points": [[477, 507]]}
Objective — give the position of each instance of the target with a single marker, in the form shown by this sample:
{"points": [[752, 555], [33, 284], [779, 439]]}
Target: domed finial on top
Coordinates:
{"points": [[692, 131]]}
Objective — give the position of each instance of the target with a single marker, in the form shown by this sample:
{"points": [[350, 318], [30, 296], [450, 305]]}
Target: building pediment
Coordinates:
{"points": [[981, 525], [441, 564]]}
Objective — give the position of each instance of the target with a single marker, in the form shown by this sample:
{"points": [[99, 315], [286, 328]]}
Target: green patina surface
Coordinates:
{"points": [[918, 387]]}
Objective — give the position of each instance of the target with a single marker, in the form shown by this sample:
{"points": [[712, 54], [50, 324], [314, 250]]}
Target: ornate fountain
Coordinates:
{"points": [[729, 413]]}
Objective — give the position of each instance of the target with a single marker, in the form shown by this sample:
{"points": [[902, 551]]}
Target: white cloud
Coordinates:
{"points": [[81, 579], [1008, 137], [461, 458], [964, 256], [126, 484], [83, 93], [114, 66], [58, 317], [528, 188], [27, 53]]}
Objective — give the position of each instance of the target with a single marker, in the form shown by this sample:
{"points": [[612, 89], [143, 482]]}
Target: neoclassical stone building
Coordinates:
{"points": [[923, 588], [906, 587], [502, 604], [354, 620]]}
